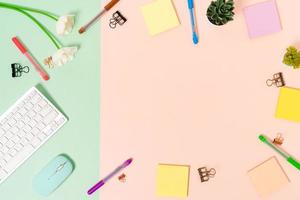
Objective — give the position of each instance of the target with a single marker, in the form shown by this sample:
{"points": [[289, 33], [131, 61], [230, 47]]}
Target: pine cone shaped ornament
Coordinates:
{"points": [[220, 12]]}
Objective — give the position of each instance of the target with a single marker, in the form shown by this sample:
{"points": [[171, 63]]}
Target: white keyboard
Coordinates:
{"points": [[24, 127]]}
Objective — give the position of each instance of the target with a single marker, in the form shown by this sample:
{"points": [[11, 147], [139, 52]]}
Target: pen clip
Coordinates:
{"points": [[190, 4], [110, 4], [19, 45]]}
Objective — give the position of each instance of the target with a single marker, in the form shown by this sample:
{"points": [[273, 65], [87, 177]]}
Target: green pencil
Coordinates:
{"points": [[289, 158]]}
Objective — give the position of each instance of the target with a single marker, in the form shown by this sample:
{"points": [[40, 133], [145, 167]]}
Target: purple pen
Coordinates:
{"points": [[103, 181]]}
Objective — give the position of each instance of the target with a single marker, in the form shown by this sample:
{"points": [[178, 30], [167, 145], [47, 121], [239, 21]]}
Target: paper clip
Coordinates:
{"points": [[17, 70], [277, 80], [117, 18], [279, 139], [205, 174]]}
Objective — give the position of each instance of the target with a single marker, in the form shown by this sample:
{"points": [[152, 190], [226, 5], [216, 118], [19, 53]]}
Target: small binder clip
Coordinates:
{"points": [[278, 140], [17, 70], [122, 178], [277, 80], [205, 174], [117, 18]]}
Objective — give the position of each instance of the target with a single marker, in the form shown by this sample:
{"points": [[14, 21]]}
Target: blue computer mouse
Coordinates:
{"points": [[53, 175]]}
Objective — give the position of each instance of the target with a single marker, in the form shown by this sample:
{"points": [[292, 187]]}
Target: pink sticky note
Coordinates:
{"points": [[262, 19]]}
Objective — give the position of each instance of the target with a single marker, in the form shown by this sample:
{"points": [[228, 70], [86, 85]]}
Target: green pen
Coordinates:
{"points": [[289, 158]]}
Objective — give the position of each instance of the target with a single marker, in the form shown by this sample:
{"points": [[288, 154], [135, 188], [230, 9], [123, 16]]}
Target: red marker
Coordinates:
{"points": [[36, 65]]}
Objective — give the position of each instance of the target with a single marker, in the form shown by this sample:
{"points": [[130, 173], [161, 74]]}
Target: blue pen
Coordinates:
{"points": [[192, 14]]}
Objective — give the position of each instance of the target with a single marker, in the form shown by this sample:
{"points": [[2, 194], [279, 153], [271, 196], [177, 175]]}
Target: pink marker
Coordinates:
{"points": [[36, 65], [103, 181]]}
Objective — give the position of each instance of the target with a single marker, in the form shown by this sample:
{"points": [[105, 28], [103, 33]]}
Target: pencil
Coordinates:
{"points": [[106, 8]]}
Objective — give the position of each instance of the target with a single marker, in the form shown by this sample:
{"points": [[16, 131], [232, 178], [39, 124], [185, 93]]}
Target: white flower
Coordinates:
{"points": [[61, 57], [65, 24]]}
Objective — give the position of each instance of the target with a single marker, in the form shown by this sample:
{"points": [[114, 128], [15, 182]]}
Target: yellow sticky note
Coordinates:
{"points": [[172, 180], [268, 177], [288, 106], [160, 16]]}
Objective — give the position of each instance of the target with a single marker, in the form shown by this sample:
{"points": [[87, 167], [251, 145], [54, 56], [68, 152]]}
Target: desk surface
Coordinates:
{"points": [[164, 100], [74, 87]]}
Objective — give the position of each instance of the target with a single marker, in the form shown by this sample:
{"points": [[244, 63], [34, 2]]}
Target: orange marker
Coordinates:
{"points": [[106, 8]]}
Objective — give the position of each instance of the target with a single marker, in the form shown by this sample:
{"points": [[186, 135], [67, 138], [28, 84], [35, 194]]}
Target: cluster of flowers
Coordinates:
{"points": [[64, 26]]}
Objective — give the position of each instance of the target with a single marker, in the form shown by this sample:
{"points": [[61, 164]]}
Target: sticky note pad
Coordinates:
{"points": [[268, 177], [262, 19], [172, 180], [288, 106], [160, 16]]}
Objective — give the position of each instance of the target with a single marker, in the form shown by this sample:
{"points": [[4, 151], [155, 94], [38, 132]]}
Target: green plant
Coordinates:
{"points": [[220, 12], [292, 57]]}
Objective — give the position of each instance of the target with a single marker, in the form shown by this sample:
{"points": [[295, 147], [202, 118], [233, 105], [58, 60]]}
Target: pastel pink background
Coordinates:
{"points": [[164, 100]]}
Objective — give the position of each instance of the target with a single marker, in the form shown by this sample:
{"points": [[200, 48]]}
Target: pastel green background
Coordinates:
{"points": [[73, 87]]}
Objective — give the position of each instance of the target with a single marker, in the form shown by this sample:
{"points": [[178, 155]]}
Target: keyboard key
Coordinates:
{"points": [[59, 120], [35, 131], [4, 149], [26, 119], [21, 134], [7, 157], [27, 128], [14, 130], [50, 117], [43, 103], [35, 142], [10, 144], [32, 123], [31, 114], [42, 136], [2, 174], [3, 140], [1, 132], [28, 106], [20, 124], [38, 117], [2, 162], [8, 135], [41, 126], [18, 116], [32, 94], [37, 108], [29, 136], [45, 110], [5, 127], [15, 139], [18, 147], [47, 130], [3, 121], [12, 122], [12, 152], [22, 111], [36, 98], [21, 104], [24, 141], [19, 158]]}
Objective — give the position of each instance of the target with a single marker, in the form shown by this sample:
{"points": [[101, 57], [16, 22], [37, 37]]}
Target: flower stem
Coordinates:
{"points": [[48, 14], [48, 33]]}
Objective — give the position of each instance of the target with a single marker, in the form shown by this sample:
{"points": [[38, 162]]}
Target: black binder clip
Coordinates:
{"points": [[17, 70], [117, 18], [277, 80], [206, 174]]}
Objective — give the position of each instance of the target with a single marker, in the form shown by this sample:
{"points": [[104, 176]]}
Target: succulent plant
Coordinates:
{"points": [[220, 12], [292, 57]]}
